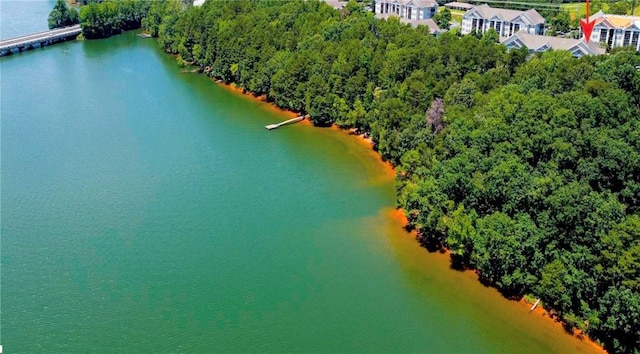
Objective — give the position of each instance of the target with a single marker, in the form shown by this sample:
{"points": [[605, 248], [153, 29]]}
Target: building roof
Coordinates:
{"points": [[423, 3], [417, 3], [338, 5], [459, 5], [615, 21], [487, 12], [538, 43], [433, 26]]}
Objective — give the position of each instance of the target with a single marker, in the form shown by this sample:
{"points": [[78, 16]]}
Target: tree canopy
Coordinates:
{"points": [[106, 18], [62, 15]]}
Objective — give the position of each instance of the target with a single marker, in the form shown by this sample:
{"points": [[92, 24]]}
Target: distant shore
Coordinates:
{"points": [[398, 213]]}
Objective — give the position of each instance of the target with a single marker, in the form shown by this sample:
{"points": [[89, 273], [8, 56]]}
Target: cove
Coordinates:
{"points": [[144, 209]]}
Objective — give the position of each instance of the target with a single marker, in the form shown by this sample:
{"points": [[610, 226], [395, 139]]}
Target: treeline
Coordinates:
{"points": [[106, 18], [528, 171]]}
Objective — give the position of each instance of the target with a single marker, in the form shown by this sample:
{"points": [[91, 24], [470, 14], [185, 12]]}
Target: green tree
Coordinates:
{"points": [[619, 7], [502, 249], [62, 15], [491, 36], [620, 313], [461, 93], [104, 19], [560, 22], [443, 18]]}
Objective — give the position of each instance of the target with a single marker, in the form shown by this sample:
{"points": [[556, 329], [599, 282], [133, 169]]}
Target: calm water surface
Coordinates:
{"points": [[22, 17], [148, 210]]}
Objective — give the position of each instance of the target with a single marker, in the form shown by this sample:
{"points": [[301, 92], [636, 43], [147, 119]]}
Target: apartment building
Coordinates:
{"points": [[407, 9], [616, 30], [506, 22]]}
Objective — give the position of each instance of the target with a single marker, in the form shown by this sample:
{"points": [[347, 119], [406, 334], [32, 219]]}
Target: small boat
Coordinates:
{"points": [[144, 35]]}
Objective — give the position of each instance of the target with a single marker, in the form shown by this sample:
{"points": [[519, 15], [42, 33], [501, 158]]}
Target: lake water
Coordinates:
{"points": [[22, 17], [148, 210]]}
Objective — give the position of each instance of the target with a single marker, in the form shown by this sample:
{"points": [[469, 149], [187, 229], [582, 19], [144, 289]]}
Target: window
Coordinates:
{"points": [[612, 33], [603, 35], [627, 38]]}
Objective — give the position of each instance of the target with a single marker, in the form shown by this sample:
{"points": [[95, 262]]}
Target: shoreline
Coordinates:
{"points": [[389, 170], [553, 320], [398, 213]]}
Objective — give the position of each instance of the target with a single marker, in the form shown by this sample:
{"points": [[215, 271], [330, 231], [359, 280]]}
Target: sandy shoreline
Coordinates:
{"points": [[398, 213]]}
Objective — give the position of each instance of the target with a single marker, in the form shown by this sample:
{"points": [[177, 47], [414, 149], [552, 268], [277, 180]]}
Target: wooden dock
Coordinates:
{"points": [[290, 121], [535, 305]]}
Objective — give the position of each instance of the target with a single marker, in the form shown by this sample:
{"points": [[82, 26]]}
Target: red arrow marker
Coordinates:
{"points": [[586, 25]]}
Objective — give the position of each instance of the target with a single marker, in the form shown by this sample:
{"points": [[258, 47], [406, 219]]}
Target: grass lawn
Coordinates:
{"points": [[578, 9], [456, 15]]}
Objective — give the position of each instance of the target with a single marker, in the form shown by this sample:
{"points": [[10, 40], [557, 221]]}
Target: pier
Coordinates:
{"points": [[290, 121], [535, 305], [36, 40]]}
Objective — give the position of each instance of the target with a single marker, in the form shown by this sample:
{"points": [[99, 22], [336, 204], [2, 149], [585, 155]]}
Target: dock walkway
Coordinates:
{"points": [[290, 121]]}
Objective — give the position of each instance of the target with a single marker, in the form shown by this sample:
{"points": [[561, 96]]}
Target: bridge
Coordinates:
{"points": [[8, 46]]}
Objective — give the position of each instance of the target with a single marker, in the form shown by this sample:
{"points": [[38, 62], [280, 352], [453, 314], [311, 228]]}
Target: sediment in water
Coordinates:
{"points": [[398, 214]]}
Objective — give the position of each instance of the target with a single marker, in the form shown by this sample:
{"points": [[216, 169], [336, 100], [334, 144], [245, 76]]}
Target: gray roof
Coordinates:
{"points": [[460, 5], [417, 3], [424, 3], [538, 43], [507, 15], [433, 26]]}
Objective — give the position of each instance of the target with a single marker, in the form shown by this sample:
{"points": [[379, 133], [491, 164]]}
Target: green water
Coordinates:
{"points": [[148, 210]]}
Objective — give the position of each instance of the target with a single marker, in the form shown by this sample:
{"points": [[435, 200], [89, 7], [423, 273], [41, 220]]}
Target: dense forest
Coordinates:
{"points": [[103, 19], [526, 168]]}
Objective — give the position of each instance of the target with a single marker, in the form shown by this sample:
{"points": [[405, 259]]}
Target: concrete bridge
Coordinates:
{"points": [[12, 45]]}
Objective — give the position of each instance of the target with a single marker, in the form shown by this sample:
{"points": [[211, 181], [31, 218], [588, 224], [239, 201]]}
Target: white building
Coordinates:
{"points": [[537, 43], [506, 22], [408, 9], [616, 30]]}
